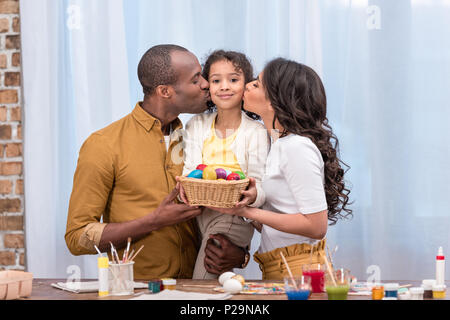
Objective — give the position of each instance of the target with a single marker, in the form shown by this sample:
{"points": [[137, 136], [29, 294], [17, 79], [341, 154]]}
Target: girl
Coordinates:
{"points": [[303, 183], [229, 138]]}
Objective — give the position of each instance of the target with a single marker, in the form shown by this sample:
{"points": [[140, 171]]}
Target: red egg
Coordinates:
{"points": [[201, 167], [233, 176]]}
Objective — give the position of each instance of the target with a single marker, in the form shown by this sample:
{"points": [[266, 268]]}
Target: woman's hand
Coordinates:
{"points": [[249, 194], [182, 193]]}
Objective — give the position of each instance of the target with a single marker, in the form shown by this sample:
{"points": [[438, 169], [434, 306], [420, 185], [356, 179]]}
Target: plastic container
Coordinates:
{"points": [[439, 291], [440, 267], [391, 290], [169, 284], [15, 284], [416, 293], [121, 279], [427, 286]]}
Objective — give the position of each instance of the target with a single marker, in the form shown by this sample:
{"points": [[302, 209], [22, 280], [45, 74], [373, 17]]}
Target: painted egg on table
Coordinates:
{"points": [[209, 173], [239, 278], [241, 174], [221, 173], [201, 167], [232, 286], [225, 276], [233, 176], [197, 174]]}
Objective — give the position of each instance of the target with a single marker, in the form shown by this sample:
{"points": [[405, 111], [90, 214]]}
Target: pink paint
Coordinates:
{"points": [[317, 280]]}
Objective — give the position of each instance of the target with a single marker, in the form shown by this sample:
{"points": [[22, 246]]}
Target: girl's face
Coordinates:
{"points": [[255, 99], [226, 85]]}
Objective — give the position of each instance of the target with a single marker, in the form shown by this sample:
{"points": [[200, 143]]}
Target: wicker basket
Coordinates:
{"points": [[213, 193]]}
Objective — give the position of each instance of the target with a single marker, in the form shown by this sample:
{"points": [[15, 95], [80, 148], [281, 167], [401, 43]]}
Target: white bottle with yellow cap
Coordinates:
{"points": [[103, 283]]}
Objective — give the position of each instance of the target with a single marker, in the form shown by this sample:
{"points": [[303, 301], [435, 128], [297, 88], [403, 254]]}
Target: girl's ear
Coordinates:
{"points": [[164, 91]]}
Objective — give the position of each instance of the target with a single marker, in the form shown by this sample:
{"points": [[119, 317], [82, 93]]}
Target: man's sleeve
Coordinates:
{"points": [[92, 184]]}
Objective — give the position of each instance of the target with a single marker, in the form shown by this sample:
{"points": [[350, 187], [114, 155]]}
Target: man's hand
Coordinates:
{"points": [[224, 257], [169, 212]]}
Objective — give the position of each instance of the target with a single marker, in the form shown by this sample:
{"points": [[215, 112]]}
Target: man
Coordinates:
{"points": [[126, 175]]}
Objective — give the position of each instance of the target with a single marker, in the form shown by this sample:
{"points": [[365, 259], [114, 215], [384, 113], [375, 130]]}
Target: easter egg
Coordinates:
{"points": [[197, 174], [209, 173], [232, 286], [239, 278], [221, 173], [225, 276], [201, 167], [241, 174], [233, 176]]}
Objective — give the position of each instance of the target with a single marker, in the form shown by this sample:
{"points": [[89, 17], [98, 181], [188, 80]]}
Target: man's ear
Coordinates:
{"points": [[164, 91]]}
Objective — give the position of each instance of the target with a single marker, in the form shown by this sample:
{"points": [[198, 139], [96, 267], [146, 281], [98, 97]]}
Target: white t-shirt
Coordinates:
{"points": [[293, 183]]}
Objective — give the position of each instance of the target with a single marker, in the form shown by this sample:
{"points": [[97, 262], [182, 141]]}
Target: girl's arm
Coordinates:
{"points": [[312, 225]]}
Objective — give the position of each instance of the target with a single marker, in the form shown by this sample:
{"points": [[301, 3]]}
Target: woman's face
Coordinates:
{"points": [[255, 99]]}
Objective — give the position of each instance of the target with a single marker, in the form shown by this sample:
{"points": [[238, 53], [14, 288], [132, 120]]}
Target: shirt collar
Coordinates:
{"points": [[147, 121]]}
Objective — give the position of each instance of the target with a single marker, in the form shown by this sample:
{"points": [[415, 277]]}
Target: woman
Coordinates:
{"points": [[303, 182]]}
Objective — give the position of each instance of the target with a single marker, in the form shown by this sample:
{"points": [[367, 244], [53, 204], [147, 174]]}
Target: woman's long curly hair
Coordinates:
{"points": [[298, 98], [240, 62]]}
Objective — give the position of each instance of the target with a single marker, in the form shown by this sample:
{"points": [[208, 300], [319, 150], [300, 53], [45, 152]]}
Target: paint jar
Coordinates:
{"points": [[391, 290], [169, 284], [337, 286], [427, 286], [154, 286], [297, 287], [121, 281], [317, 273], [377, 292], [439, 291], [416, 293]]}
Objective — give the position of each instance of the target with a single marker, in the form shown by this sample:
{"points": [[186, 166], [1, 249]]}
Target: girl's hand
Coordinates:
{"points": [[249, 194]]}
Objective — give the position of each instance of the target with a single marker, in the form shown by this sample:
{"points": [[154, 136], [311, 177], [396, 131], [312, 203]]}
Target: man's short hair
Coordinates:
{"points": [[155, 67]]}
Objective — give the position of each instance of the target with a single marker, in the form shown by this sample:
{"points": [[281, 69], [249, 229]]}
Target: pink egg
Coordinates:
{"points": [[221, 173]]}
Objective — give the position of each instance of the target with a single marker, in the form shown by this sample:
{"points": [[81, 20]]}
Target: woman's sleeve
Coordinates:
{"points": [[193, 136], [258, 149], [301, 165]]}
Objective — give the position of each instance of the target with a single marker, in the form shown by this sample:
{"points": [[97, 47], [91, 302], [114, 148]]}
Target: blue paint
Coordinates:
{"points": [[298, 295], [390, 293]]}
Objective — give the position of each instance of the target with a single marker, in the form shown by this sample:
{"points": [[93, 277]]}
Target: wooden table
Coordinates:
{"points": [[42, 290]]}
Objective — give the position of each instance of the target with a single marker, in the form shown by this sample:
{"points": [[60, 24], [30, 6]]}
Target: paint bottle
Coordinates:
{"points": [[103, 283], [439, 291], [391, 290], [427, 286], [377, 292], [416, 293], [169, 284], [440, 267]]}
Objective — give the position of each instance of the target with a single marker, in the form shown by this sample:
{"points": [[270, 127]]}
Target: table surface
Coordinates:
{"points": [[42, 290]]}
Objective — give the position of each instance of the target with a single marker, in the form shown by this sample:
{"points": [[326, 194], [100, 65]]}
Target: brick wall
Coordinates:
{"points": [[12, 244]]}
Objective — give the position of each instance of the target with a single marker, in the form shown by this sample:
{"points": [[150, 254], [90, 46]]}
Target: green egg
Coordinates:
{"points": [[241, 174]]}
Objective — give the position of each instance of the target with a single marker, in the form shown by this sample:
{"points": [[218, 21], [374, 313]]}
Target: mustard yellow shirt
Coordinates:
{"points": [[217, 152], [123, 173]]}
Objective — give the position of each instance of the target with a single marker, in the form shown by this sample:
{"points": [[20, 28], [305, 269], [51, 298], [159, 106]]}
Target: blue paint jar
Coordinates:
{"points": [[391, 290], [298, 295]]}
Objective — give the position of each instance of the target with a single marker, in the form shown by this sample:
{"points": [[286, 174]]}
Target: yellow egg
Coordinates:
{"points": [[239, 278], [209, 173]]}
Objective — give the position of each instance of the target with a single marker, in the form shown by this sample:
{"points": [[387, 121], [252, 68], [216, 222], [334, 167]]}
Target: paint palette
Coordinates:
{"points": [[259, 288]]}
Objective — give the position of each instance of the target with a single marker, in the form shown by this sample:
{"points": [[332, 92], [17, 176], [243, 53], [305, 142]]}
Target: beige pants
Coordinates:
{"points": [[211, 222]]}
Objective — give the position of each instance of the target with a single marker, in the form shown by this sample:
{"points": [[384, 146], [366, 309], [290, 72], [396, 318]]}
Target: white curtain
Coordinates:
{"points": [[385, 67]]}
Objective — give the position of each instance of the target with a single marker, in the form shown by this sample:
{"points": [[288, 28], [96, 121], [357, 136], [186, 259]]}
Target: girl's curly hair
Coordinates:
{"points": [[298, 98], [240, 62]]}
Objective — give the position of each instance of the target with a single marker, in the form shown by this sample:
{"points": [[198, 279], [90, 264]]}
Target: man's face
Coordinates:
{"points": [[191, 89]]}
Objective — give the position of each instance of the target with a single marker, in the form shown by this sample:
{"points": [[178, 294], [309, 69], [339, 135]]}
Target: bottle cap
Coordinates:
{"points": [[103, 262], [439, 287], [427, 284], [391, 286], [169, 282], [416, 290]]}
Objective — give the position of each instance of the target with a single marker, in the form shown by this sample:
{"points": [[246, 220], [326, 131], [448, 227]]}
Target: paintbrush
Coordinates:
{"points": [[289, 271], [137, 252], [98, 250], [125, 253], [115, 252]]}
